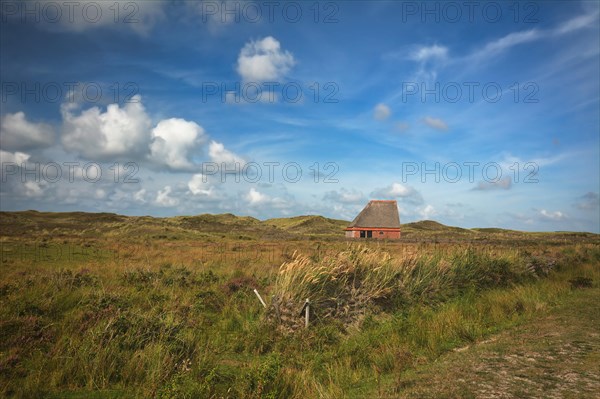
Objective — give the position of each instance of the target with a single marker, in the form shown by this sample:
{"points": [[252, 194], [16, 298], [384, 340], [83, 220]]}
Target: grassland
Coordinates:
{"points": [[102, 305]]}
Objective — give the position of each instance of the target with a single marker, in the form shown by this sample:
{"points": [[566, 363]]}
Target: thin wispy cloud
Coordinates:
{"points": [[504, 183], [435, 123], [590, 201], [381, 112]]}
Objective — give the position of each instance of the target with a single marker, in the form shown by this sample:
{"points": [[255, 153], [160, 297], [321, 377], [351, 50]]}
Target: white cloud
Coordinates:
{"points": [[199, 185], [164, 199], [263, 60], [255, 197], [516, 38], [100, 194], [381, 112], [16, 157], [548, 215], [435, 123], [504, 183], [283, 204], [82, 15], [579, 22], [345, 196], [140, 195], [98, 135], [172, 140], [33, 188], [126, 133], [16, 133], [218, 153], [508, 160], [426, 53], [506, 42], [263, 204], [430, 59], [399, 190], [427, 212]]}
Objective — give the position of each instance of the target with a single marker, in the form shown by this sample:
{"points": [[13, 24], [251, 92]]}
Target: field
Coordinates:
{"points": [[108, 306]]}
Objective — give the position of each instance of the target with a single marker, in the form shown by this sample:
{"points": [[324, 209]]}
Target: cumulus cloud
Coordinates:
{"points": [[381, 112], [589, 202], [118, 132], [261, 201], [264, 60], [172, 141], [399, 191], [548, 215], [218, 153], [17, 133], [200, 186], [254, 197], [427, 212], [33, 188], [99, 193], [163, 198], [505, 183], [22, 189], [140, 196], [345, 196], [14, 157], [126, 133], [435, 123]]}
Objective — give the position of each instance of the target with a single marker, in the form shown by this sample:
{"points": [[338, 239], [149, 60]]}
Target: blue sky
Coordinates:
{"points": [[474, 114]]}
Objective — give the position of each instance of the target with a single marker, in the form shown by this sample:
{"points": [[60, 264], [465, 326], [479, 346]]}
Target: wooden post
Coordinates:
{"points": [[307, 314], [260, 299], [305, 311]]}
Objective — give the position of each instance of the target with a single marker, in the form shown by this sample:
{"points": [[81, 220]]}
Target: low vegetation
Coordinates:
{"points": [[96, 311]]}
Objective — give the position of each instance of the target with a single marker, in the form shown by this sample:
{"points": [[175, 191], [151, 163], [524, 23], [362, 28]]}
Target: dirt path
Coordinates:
{"points": [[555, 356]]}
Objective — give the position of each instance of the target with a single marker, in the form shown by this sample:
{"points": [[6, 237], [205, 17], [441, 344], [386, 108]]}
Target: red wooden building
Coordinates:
{"points": [[379, 219]]}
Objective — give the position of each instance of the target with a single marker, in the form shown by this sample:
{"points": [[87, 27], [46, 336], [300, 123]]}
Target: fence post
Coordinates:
{"points": [[260, 299], [307, 314], [305, 311]]}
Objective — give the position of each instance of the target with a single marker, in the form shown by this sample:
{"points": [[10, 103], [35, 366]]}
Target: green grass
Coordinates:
{"points": [[167, 318], [553, 353]]}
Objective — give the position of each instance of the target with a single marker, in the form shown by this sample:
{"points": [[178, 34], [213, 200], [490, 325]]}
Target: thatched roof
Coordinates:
{"points": [[378, 213]]}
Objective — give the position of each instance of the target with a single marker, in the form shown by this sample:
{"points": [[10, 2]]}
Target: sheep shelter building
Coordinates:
{"points": [[379, 219]]}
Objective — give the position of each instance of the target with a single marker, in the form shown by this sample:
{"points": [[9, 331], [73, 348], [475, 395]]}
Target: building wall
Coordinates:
{"points": [[379, 234]]}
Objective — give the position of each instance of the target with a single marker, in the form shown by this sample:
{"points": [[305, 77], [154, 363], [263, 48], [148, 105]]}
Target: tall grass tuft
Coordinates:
{"points": [[344, 285]]}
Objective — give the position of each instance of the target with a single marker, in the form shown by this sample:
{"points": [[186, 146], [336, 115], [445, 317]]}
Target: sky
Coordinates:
{"points": [[473, 114]]}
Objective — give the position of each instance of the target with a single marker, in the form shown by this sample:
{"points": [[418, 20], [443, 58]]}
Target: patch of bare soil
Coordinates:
{"points": [[555, 356]]}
